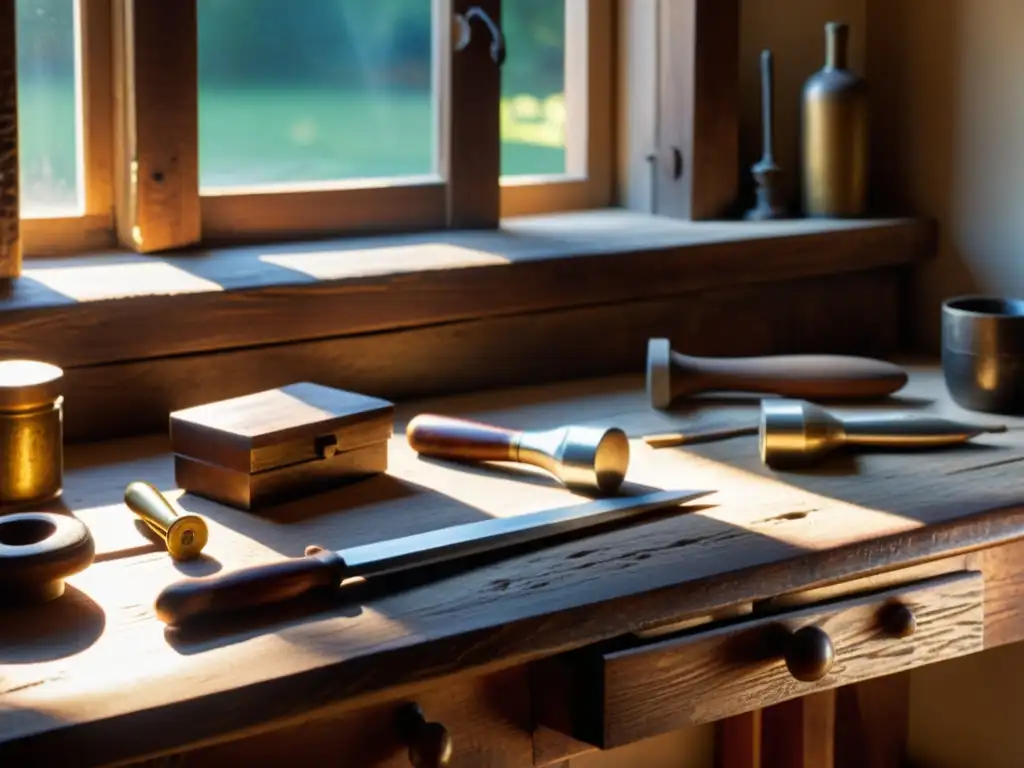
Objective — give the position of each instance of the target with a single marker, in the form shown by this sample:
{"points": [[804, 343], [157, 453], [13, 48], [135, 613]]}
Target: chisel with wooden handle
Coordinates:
{"points": [[264, 584]]}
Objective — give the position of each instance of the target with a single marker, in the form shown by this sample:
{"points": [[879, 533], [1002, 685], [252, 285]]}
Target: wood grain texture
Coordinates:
{"points": [[157, 124], [812, 377], [698, 116], [445, 437], [10, 212], [718, 673], [488, 719], [1004, 592], [255, 216], [473, 130], [158, 306], [762, 534], [800, 733], [496, 352]]}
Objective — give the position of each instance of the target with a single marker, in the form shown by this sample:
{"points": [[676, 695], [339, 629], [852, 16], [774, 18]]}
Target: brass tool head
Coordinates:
{"points": [[659, 372], [591, 458], [184, 535], [795, 432]]}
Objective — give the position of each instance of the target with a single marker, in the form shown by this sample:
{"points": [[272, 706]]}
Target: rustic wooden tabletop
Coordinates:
{"points": [[97, 670]]}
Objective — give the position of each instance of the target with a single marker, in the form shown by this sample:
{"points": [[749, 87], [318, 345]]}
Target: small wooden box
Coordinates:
{"points": [[277, 445]]}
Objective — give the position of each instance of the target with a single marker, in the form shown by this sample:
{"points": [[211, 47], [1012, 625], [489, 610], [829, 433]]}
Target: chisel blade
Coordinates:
{"points": [[446, 544]]}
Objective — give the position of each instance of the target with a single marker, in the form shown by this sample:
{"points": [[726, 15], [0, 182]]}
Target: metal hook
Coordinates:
{"points": [[465, 32]]}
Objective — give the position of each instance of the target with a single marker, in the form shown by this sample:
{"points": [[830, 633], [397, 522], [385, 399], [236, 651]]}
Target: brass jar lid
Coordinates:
{"points": [[28, 384]]}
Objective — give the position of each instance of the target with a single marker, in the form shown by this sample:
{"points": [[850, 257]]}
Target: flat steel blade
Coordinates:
{"points": [[447, 544]]}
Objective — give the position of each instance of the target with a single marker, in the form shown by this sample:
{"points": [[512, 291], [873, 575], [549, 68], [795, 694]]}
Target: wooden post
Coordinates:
{"points": [[800, 733], [697, 157], [471, 148], [157, 124], [10, 223]]}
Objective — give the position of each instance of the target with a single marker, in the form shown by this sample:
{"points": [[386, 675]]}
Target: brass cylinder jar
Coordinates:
{"points": [[835, 134], [31, 433]]}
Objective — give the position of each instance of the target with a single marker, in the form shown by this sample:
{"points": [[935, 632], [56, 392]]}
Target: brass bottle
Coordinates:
{"points": [[835, 134]]}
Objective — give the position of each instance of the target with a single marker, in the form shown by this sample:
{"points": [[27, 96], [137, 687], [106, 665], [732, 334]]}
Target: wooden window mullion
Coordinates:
{"points": [[697, 157], [10, 223], [156, 124], [471, 150]]}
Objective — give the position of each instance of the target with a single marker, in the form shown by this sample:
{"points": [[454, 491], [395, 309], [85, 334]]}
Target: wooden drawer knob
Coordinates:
{"points": [[430, 744], [898, 620], [810, 654]]}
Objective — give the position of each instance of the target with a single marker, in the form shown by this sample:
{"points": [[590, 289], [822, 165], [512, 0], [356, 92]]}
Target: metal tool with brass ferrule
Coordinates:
{"points": [[794, 432], [184, 535], [324, 569], [588, 459]]}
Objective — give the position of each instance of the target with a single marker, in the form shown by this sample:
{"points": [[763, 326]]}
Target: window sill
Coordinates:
{"points": [[118, 307]]}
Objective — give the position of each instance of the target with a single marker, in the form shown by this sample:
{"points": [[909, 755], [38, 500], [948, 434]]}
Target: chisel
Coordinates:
{"points": [[264, 584]]}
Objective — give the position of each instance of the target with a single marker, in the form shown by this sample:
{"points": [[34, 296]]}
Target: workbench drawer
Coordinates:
{"points": [[706, 674]]}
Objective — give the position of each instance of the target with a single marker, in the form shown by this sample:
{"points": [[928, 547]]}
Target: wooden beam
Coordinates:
{"points": [[697, 157], [131, 398], [88, 311], [10, 224], [156, 124], [471, 139]]}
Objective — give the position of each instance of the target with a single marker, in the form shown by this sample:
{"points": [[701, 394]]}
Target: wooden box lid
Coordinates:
{"points": [[280, 427]]}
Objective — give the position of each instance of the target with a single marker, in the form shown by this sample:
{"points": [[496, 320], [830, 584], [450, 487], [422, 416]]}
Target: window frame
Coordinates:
{"points": [[626, 142], [590, 161], [94, 228]]}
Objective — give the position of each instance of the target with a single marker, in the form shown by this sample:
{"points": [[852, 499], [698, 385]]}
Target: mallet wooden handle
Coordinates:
{"points": [[445, 437], [807, 377]]}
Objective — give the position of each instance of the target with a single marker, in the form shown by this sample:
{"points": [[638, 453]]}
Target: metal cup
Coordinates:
{"points": [[983, 353]]}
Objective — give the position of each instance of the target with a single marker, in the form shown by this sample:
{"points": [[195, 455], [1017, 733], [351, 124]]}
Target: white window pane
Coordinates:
{"points": [[294, 91], [533, 88], [48, 146]]}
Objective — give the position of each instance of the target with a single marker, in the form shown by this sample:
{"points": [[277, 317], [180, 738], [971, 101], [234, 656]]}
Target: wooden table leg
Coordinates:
{"points": [[800, 733], [871, 722], [738, 741]]}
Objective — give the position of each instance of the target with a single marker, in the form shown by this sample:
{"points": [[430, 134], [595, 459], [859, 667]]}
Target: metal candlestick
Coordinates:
{"points": [[766, 173]]}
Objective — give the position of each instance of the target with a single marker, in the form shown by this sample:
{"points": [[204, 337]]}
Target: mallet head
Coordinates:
{"points": [[659, 372]]}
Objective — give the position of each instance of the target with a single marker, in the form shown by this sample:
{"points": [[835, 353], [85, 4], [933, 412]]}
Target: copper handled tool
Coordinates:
{"points": [[583, 458], [671, 375], [184, 535], [321, 568], [795, 432]]}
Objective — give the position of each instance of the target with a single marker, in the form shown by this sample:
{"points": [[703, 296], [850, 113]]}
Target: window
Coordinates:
{"points": [[163, 125], [63, 123]]}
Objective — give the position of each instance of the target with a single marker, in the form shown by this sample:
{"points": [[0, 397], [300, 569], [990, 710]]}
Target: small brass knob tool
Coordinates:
{"points": [[184, 535], [587, 459], [671, 375], [794, 432]]}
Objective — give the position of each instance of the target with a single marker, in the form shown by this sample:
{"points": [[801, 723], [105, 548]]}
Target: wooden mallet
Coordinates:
{"points": [[671, 375]]}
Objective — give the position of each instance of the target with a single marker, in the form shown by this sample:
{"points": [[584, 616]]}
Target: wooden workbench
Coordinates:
{"points": [[94, 678]]}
